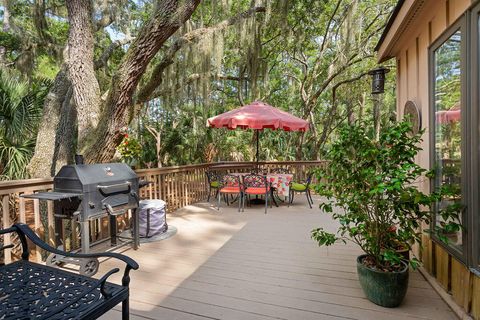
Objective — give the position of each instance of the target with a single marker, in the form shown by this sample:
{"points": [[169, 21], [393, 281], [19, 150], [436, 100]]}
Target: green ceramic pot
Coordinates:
{"points": [[387, 289]]}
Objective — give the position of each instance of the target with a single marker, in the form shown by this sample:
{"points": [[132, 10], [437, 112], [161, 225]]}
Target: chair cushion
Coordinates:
{"points": [[214, 184], [298, 186], [230, 190], [252, 190]]}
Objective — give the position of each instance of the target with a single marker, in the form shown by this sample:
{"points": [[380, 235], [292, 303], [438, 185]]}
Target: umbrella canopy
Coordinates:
{"points": [[258, 116], [451, 115], [448, 116]]}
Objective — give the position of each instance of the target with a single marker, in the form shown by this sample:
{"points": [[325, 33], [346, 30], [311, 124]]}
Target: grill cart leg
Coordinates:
{"points": [[113, 229], [147, 234], [136, 229], [58, 230], [85, 236]]}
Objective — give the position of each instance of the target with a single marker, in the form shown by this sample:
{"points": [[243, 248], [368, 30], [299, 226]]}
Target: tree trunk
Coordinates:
{"points": [[6, 28], [299, 153], [80, 66], [40, 21], [51, 135], [65, 143], [376, 115], [98, 132], [168, 17]]}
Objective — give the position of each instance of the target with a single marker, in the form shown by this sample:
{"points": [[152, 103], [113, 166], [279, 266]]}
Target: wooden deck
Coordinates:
{"points": [[229, 265]]}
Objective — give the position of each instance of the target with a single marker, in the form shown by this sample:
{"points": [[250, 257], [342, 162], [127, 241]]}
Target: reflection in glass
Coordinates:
{"points": [[448, 126]]}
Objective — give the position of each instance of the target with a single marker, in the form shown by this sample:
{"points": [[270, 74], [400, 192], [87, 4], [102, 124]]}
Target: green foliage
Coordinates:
{"points": [[46, 67], [369, 187], [20, 111], [283, 55], [277, 56], [10, 41], [129, 149]]}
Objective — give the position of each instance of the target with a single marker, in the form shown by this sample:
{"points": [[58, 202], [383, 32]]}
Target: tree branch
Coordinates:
{"points": [[103, 59], [167, 18], [327, 29], [155, 80], [190, 79], [335, 74], [107, 16]]}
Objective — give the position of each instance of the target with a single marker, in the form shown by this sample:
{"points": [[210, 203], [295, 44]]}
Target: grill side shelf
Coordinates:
{"points": [[54, 196]]}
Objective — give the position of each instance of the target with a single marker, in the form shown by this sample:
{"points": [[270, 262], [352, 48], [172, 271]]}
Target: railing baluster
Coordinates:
{"points": [[51, 224], [21, 207], [37, 225], [169, 194], [6, 224]]}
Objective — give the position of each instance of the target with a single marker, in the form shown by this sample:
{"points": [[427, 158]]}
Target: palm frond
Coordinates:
{"points": [[21, 105], [15, 158]]}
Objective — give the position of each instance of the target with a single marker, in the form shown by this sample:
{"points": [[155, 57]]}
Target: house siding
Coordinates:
{"points": [[410, 52]]}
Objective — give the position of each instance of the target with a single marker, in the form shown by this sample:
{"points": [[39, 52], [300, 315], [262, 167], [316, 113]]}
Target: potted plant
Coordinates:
{"points": [[370, 188]]}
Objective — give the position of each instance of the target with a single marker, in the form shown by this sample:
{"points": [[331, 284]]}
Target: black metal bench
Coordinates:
{"points": [[30, 290]]}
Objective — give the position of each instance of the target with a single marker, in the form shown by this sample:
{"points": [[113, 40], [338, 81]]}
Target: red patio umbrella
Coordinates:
{"points": [[447, 116], [258, 116]]}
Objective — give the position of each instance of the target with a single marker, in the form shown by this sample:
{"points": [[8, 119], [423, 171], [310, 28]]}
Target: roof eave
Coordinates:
{"points": [[389, 24]]}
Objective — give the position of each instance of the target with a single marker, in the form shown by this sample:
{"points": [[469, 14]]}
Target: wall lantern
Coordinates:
{"points": [[378, 79]]}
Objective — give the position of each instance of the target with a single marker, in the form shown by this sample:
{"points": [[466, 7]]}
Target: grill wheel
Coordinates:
{"points": [[88, 267], [54, 260]]}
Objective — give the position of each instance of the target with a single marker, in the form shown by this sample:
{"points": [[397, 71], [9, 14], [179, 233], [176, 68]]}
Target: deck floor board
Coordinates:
{"points": [[229, 265]]}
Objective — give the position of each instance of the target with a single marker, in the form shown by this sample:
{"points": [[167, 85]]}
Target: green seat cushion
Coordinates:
{"points": [[298, 187], [214, 184]]}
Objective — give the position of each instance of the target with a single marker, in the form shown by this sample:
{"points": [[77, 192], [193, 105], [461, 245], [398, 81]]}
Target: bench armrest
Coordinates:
{"points": [[10, 246], [24, 231]]}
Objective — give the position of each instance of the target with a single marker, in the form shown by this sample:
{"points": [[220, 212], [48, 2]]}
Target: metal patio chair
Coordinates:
{"points": [[301, 187], [255, 184], [280, 170], [213, 181], [230, 185]]}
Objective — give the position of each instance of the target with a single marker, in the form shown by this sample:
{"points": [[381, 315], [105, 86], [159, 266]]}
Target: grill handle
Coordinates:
{"points": [[112, 212], [105, 189]]}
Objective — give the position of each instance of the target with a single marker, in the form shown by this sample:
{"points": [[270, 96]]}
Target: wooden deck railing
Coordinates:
{"points": [[179, 186]]}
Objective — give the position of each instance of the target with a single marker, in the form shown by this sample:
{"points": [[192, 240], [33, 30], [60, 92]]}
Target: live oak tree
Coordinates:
{"points": [[76, 96], [88, 115]]}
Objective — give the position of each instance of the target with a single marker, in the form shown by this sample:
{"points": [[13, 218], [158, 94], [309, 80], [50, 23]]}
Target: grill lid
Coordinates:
{"points": [[97, 173]]}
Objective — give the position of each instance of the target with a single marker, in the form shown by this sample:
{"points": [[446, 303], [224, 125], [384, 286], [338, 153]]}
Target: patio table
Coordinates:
{"points": [[279, 181]]}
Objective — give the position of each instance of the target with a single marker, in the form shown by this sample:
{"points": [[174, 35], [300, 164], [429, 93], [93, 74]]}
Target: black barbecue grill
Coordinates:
{"points": [[85, 192]]}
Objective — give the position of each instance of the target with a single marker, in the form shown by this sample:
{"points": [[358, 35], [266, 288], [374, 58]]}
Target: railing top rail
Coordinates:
{"points": [[13, 186], [173, 168]]}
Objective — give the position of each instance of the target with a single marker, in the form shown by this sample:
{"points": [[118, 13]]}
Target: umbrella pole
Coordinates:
{"points": [[258, 153]]}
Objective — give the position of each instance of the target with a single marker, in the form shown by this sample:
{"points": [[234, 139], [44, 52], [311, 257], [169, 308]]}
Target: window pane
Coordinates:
{"points": [[448, 126]]}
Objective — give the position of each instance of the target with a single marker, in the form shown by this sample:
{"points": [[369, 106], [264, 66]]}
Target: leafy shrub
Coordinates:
{"points": [[369, 187], [129, 149]]}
